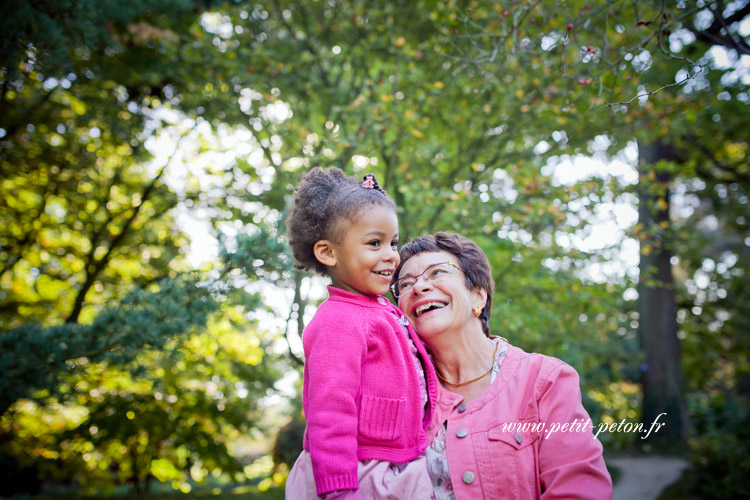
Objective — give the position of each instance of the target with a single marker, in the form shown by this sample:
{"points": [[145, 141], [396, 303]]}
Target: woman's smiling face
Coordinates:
{"points": [[434, 307]]}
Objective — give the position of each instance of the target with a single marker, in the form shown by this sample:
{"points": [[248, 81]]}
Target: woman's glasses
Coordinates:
{"points": [[433, 274]]}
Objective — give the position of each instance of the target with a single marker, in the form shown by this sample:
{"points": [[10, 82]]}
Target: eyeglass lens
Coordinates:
{"points": [[433, 273]]}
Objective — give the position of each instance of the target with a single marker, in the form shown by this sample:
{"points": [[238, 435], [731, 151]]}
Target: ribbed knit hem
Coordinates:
{"points": [[395, 456], [326, 484]]}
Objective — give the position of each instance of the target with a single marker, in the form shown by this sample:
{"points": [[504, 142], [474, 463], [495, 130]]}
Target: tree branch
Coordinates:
{"points": [[301, 305], [95, 266], [737, 176], [712, 34]]}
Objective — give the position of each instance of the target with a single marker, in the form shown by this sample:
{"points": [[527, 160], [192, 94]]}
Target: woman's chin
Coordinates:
{"points": [[428, 324]]}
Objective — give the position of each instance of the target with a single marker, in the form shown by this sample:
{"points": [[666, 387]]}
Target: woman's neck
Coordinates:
{"points": [[461, 356]]}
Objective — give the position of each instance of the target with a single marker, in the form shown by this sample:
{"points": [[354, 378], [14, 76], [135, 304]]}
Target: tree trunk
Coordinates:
{"points": [[662, 377]]}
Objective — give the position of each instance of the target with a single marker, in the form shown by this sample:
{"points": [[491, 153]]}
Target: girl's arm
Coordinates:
{"points": [[334, 357]]}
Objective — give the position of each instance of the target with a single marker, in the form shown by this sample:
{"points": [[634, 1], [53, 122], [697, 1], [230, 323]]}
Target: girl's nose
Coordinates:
{"points": [[390, 255]]}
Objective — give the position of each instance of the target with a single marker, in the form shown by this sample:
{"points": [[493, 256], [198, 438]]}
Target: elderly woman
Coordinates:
{"points": [[497, 427]]}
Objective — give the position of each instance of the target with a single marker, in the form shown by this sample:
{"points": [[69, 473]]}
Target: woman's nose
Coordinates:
{"points": [[422, 285]]}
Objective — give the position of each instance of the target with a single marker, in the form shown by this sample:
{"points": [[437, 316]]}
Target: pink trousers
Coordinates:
{"points": [[377, 480]]}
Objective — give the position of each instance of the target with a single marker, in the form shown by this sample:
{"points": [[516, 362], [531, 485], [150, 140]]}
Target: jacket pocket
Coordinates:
{"points": [[513, 459], [516, 434], [381, 419]]}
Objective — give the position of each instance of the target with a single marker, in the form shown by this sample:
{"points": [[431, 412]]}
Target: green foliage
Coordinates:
{"points": [[719, 451], [34, 358], [118, 366], [152, 388], [50, 35], [179, 421]]}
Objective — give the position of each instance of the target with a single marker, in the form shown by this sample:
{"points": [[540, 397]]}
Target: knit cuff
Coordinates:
{"points": [[332, 483]]}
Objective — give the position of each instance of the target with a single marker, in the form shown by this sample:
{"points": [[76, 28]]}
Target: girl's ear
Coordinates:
{"points": [[324, 252]]}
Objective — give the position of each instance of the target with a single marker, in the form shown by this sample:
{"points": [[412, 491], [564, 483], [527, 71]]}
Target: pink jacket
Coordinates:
{"points": [[490, 461], [360, 391]]}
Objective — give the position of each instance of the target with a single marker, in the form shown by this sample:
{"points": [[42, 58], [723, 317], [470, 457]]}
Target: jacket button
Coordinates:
{"points": [[461, 433], [468, 477], [382, 301], [519, 439], [462, 408]]}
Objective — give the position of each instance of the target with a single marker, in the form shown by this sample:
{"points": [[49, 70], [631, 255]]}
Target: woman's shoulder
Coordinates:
{"points": [[544, 365], [539, 374]]}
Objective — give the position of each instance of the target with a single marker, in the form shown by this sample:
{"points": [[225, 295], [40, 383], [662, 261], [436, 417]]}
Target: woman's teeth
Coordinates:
{"points": [[429, 307]]}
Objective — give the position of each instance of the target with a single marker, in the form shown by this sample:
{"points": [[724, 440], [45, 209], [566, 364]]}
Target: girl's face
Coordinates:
{"points": [[441, 305], [365, 258]]}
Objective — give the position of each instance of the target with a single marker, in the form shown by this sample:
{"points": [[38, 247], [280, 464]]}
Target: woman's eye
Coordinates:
{"points": [[437, 272], [405, 284]]}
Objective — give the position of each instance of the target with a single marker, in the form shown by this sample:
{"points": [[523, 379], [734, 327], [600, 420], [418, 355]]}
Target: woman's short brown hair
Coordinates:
{"points": [[471, 259]]}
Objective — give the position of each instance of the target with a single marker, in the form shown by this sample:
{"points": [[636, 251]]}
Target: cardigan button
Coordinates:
{"points": [[461, 433], [382, 301], [461, 408], [519, 439], [468, 477]]}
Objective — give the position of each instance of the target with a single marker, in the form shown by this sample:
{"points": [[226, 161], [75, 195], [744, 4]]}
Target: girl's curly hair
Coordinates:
{"points": [[325, 202]]}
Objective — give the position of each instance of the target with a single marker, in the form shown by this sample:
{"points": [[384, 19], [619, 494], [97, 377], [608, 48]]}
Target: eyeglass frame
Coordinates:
{"points": [[393, 287]]}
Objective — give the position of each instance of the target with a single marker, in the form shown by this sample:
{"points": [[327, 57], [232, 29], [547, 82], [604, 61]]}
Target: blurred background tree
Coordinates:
{"points": [[120, 364], [132, 132]]}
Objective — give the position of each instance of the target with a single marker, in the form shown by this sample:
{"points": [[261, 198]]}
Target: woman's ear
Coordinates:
{"points": [[480, 297], [324, 252]]}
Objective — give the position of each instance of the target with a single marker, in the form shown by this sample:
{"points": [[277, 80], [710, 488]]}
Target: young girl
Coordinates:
{"points": [[368, 384]]}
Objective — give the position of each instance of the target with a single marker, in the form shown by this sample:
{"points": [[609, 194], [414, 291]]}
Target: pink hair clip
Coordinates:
{"points": [[369, 182]]}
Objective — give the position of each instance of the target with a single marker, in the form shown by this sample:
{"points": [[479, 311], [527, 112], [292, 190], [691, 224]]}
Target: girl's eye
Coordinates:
{"points": [[394, 244], [374, 243]]}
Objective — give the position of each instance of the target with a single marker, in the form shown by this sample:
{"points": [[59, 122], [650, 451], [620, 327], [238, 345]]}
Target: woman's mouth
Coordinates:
{"points": [[427, 307]]}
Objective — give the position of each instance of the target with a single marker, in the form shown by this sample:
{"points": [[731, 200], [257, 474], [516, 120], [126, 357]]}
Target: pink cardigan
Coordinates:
{"points": [[360, 391], [489, 461]]}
